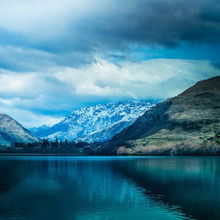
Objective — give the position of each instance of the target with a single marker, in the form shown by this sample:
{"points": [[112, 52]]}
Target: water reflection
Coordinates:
{"points": [[109, 188], [190, 183]]}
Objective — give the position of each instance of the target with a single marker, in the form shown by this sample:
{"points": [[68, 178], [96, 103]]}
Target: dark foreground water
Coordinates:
{"points": [[68, 188]]}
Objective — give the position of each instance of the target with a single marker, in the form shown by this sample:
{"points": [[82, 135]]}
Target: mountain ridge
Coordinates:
{"points": [[12, 131], [189, 121], [96, 123]]}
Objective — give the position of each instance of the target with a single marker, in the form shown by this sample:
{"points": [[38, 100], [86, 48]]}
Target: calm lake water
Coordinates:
{"points": [[68, 188]]}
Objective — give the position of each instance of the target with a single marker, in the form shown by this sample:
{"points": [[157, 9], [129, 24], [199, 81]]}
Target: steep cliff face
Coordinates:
{"points": [[189, 122], [12, 131]]}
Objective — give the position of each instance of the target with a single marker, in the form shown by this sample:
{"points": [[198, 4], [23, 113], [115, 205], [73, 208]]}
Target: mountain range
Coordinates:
{"points": [[97, 123], [186, 124]]}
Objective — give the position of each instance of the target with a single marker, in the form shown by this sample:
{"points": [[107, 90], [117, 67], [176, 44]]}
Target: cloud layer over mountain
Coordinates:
{"points": [[56, 56]]}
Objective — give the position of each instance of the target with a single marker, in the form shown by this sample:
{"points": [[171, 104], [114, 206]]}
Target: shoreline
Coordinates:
{"points": [[103, 155]]}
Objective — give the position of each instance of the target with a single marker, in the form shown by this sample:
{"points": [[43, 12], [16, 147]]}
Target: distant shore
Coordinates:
{"points": [[107, 155]]}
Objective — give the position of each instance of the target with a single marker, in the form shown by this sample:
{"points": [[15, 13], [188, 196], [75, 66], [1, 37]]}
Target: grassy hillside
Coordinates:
{"points": [[186, 124]]}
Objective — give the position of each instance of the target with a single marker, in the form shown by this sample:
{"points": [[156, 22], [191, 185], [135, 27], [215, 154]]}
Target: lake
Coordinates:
{"points": [[68, 187]]}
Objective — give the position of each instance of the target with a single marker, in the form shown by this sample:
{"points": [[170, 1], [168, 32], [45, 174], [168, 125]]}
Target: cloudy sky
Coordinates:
{"points": [[57, 56]]}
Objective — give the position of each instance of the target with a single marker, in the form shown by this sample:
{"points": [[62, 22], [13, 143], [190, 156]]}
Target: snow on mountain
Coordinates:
{"points": [[96, 123], [107, 133], [39, 131], [12, 131]]}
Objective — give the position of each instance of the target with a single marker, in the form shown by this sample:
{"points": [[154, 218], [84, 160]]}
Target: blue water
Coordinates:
{"points": [[67, 187]]}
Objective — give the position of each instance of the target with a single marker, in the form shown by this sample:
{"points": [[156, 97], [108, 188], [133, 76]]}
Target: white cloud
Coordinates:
{"points": [[157, 78], [15, 83], [31, 96]]}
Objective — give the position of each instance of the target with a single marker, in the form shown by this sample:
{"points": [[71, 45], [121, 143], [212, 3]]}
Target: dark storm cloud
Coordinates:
{"points": [[116, 25], [144, 22], [164, 22], [110, 26]]}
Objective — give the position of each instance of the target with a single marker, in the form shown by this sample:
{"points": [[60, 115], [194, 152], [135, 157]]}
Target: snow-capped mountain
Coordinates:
{"points": [[12, 131], [96, 123], [39, 131]]}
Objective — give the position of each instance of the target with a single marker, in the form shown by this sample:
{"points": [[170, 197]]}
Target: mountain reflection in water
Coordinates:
{"points": [[109, 187]]}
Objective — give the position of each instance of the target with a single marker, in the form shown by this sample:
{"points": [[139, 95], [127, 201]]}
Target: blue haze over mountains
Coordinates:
{"points": [[95, 123]]}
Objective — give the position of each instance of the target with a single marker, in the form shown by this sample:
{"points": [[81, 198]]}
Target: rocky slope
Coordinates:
{"points": [[96, 123], [186, 124], [12, 131]]}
